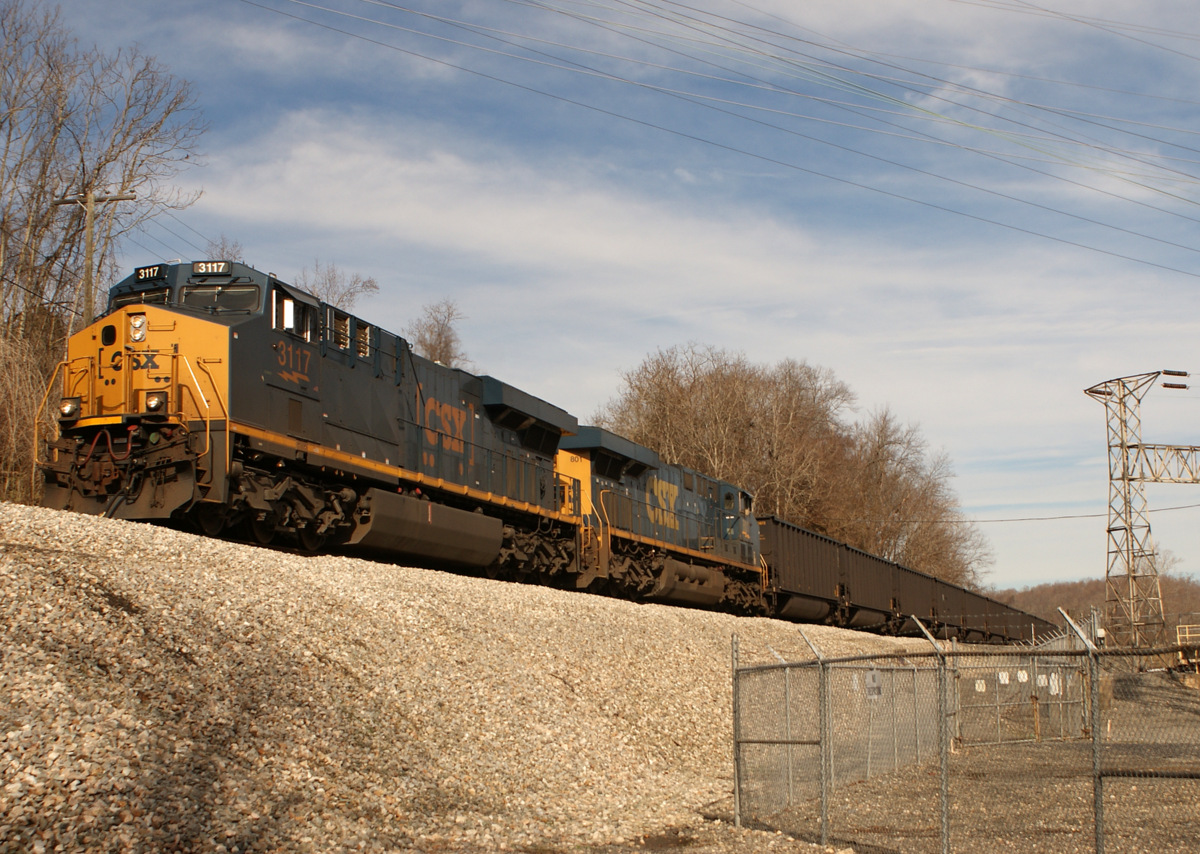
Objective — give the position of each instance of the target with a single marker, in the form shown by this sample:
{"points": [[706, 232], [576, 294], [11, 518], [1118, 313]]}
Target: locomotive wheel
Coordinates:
{"points": [[310, 540], [262, 531], [209, 518]]}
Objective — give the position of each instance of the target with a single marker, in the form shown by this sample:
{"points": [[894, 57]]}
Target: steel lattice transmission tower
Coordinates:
{"points": [[1133, 610]]}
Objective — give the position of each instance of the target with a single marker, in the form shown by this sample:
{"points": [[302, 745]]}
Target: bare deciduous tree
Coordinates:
{"points": [[892, 498], [22, 389], [434, 336], [225, 249], [330, 284], [75, 122], [762, 428], [779, 432]]}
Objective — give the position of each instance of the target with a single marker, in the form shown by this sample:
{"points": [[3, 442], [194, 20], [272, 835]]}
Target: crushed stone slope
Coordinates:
{"points": [[166, 691]]}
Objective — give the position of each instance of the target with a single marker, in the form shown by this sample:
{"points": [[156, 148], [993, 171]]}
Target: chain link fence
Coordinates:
{"points": [[973, 750]]}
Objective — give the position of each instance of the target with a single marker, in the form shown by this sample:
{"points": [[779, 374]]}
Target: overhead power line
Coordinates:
{"points": [[1005, 520], [729, 108]]}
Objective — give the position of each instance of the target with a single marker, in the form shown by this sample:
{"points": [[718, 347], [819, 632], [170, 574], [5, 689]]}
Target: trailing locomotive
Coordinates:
{"points": [[219, 395]]}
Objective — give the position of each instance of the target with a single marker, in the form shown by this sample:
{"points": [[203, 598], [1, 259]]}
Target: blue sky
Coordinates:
{"points": [[968, 210]]}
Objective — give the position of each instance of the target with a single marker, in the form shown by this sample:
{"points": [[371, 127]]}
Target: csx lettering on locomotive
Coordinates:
{"points": [[444, 423], [137, 361], [663, 495]]}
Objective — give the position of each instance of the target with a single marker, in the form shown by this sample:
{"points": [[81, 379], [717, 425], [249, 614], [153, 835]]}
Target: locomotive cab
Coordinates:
{"points": [[144, 393]]}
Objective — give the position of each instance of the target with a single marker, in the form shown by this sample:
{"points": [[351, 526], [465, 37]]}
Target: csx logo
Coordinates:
{"points": [[137, 361], [445, 420], [661, 498]]}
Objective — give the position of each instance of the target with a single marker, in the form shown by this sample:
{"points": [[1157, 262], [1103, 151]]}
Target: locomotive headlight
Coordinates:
{"points": [[137, 327], [68, 410], [156, 401]]}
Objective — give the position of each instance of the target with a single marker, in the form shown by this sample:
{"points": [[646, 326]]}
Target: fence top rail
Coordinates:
{"points": [[830, 662], [1147, 652], [907, 660]]}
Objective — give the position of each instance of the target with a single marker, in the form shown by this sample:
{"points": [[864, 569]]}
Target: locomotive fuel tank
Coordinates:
{"points": [[400, 524]]}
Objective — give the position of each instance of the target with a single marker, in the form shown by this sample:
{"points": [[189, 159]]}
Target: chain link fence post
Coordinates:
{"points": [[1093, 657], [823, 735], [943, 687], [737, 745], [1097, 777]]}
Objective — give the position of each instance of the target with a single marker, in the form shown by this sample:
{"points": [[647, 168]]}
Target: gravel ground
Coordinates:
{"points": [[1025, 797], [1018, 799], [162, 691]]}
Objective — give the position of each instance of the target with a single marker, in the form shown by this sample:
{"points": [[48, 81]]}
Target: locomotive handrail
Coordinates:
{"points": [[681, 546], [199, 390], [215, 385], [206, 416], [37, 428], [605, 523], [87, 372], [491, 466]]}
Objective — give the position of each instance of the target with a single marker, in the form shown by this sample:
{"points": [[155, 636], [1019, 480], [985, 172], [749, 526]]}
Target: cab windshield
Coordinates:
{"points": [[220, 297], [158, 296]]}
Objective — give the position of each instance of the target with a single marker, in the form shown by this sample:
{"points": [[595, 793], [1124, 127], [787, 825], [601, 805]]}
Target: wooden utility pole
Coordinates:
{"points": [[89, 200]]}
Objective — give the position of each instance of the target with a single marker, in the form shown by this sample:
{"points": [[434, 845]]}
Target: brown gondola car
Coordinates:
{"points": [[815, 578]]}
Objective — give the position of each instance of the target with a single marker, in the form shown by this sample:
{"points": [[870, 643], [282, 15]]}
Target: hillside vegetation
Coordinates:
{"points": [[784, 432], [1180, 595]]}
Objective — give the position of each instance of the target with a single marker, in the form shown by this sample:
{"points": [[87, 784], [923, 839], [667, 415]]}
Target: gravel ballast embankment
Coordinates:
{"points": [[163, 691]]}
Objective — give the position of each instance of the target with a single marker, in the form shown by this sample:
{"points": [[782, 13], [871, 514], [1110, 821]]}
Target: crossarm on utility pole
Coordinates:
{"points": [[89, 200], [1165, 463]]}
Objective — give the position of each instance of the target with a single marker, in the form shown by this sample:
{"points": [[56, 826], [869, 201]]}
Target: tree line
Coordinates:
{"points": [[1180, 598], [77, 125], [784, 433]]}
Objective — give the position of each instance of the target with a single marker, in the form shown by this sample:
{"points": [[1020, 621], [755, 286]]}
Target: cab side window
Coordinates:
{"points": [[291, 315]]}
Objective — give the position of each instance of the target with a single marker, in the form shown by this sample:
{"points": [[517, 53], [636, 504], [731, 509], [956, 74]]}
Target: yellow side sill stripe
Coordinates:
{"points": [[341, 459]]}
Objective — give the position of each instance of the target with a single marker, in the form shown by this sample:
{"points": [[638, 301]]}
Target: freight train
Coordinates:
{"points": [[215, 395]]}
